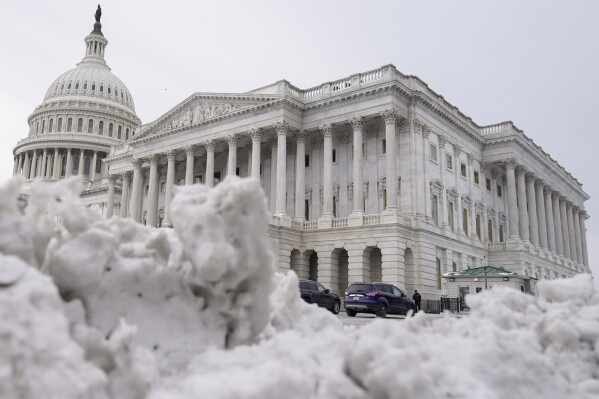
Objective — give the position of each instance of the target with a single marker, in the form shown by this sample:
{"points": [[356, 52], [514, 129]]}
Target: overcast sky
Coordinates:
{"points": [[533, 62]]}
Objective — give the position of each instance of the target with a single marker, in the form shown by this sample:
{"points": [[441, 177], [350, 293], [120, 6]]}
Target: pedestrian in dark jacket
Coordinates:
{"points": [[417, 299]]}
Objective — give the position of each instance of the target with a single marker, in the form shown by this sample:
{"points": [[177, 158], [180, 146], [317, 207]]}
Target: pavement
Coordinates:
{"points": [[364, 318]]}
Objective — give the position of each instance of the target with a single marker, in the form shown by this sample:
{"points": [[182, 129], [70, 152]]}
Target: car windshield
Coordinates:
{"points": [[360, 288], [320, 287]]}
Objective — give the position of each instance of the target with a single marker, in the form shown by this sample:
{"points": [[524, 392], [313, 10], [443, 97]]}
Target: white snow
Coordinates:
{"points": [[94, 308]]}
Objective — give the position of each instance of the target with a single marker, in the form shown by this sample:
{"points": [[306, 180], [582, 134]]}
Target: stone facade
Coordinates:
{"points": [[371, 177]]}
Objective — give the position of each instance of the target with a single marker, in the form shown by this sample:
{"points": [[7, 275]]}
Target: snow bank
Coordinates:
{"points": [[197, 311]]}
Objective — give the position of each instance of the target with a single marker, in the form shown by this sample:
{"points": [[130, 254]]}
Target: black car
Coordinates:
{"points": [[378, 298], [314, 292]]}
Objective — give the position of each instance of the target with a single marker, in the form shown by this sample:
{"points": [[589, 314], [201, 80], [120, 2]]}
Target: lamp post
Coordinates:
{"points": [[485, 265]]}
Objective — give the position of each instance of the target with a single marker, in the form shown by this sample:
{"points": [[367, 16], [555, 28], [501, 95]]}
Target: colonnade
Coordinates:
{"points": [[543, 216], [132, 207], [48, 163]]}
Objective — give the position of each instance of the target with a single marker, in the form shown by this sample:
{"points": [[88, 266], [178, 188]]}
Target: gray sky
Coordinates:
{"points": [[533, 62]]}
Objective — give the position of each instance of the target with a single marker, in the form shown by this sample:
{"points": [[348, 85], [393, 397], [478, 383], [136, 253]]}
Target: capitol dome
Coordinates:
{"points": [[86, 111]]}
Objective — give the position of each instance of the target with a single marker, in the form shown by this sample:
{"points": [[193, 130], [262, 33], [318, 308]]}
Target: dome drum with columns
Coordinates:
{"points": [[85, 112]]}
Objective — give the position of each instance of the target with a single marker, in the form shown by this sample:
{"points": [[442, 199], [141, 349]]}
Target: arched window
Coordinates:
{"points": [[119, 133], [109, 90], [69, 86], [80, 125], [101, 89], [63, 168], [77, 86], [37, 127], [110, 128], [62, 86], [69, 124], [98, 165], [86, 166], [43, 127], [90, 126], [93, 87], [51, 126], [127, 134], [85, 86], [76, 165], [59, 127], [101, 127], [116, 92]]}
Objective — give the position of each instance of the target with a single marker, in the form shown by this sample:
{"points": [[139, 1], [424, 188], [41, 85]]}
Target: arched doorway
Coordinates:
{"points": [[313, 267], [343, 278], [374, 260], [296, 264]]}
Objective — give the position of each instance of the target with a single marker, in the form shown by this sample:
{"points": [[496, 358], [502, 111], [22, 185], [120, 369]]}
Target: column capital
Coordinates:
{"points": [[457, 150], [137, 162], [357, 122], [112, 178], [530, 177], [556, 195], [125, 175], [210, 145], [470, 157], [389, 115], [232, 139], [190, 149], [170, 155], [540, 183], [442, 141], [281, 127], [256, 134], [575, 209], [327, 129], [426, 131], [152, 158], [301, 136], [569, 204], [563, 198], [510, 163], [520, 170]]}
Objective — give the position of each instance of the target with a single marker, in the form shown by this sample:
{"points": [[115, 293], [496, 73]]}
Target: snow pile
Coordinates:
{"points": [[197, 311]]}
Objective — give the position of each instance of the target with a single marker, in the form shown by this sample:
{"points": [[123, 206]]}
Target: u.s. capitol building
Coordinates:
{"points": [[370, 177]]}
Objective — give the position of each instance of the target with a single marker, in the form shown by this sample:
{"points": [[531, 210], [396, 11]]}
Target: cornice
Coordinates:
{"points": [[64, 140], [81, 105]]}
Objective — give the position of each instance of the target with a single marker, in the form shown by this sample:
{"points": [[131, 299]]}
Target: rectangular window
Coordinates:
{"points": [[450, 217], [454, 267], [385, 199], [476, 177], [501, 233], [146, 190], [433, 156], [449, 162], [216, 177], [334, 155], [499, 191], [352, 152], [478, 227], [307, 209], [488, 184], [260, 168], [465, 221], [237, 171], [463, 169], [384, 146], [363, 150], [162, 187], [307, 161], [334, 207], [435, 209], [438, 264], [490, 229]]}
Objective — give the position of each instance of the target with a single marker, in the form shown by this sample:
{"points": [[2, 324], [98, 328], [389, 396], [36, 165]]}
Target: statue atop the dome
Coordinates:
{"points": [[98, 14]]}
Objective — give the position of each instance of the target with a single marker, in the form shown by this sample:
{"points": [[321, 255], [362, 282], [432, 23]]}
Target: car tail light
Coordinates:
{"points": [[372, 293]]}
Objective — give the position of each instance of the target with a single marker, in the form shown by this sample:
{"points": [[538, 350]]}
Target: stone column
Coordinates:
{"points": [[557, 221], [540, 200], [232, 159], [522, 211], [512, 201], [56, 166], [428, 212], [153, 186], [583, 238], [69, 171], [256, 135], [281, 208], [300, 176], [134, 205], [20, 166], [577, 237], [110, 206], [357, 124], [190, 151], [571, 234], [125, 194], [33, 165], [44, 160], [532, 209], [210, 146], [273, 176], [170, 183], [15, 165], [81, 162], [27, 165], [564, 221], [327, 176], [549, 219], [92, 168], [391, 164]]}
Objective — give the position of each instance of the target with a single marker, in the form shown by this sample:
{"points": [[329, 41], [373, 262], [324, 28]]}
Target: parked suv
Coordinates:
{"points": [[378, 298], [313, 292]]}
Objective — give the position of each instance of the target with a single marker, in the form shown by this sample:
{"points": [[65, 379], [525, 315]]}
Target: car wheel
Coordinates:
{"points": [[336, 307], [307, 299], [350, 313], [382, 311]]}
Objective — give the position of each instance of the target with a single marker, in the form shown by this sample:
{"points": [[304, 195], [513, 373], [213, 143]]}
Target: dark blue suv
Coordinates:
{"points": [[378, 298]]}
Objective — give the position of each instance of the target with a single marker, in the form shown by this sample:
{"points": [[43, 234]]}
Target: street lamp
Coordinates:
{"points": [[485, 265]]}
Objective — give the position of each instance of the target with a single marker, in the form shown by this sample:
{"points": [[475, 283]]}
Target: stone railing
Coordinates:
{"points": [[339, 223], [491, 129], [310, 225], [356, 80], [497, 246], [370, 220]]}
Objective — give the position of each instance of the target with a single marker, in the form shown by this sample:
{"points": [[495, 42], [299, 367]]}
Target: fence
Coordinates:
{"points": [[454, 305]]}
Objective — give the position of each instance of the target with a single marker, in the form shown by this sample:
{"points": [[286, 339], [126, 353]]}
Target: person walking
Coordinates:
{"points": [[417, 299]]}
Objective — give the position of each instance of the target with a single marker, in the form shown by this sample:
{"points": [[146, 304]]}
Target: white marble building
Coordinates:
{"points": [[459, 191]]}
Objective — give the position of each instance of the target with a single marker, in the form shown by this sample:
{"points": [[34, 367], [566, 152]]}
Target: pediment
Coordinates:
{"points": [[199, 109]]}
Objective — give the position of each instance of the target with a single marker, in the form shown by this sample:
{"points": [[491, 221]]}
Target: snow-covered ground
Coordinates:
{"points": [[94, 308]]}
